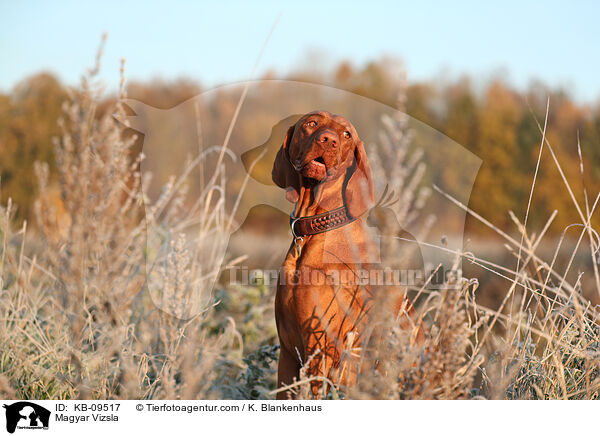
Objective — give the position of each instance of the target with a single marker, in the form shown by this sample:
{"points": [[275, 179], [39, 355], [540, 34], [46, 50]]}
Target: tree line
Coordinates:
{"points": [[494, 120]]}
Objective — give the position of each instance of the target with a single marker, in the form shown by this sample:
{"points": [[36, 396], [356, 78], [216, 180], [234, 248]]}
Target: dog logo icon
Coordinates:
{"points": [[415, 170], [26, 415]]}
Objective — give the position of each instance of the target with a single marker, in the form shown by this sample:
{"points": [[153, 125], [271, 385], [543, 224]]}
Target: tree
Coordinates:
{"points": [[28, 121]]}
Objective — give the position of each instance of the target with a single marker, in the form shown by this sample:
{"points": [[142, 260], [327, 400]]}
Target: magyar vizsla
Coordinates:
{"points": [[322, 307]]}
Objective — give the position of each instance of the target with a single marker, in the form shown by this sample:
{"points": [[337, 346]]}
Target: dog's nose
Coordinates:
{"points": [[327, 137]]}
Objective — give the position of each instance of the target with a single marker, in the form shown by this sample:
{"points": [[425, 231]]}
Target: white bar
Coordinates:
{"points": [[307, 417]]}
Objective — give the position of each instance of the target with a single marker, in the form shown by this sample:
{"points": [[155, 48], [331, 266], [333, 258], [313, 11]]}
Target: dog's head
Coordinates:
{"points": [[323, 146]]}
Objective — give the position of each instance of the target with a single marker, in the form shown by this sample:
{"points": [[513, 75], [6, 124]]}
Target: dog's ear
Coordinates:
{"points": [[284, 175], [358, 192]]}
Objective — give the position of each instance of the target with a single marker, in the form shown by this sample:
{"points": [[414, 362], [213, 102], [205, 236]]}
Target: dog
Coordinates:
{"points": [[323, 312]]}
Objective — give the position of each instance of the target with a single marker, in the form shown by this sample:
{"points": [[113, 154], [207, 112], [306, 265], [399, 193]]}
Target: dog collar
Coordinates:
{"points": [[321, 223]]}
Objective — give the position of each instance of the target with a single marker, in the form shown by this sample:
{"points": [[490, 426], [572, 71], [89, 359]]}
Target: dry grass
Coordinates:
{"points": [[79, 318], [91, 299]]}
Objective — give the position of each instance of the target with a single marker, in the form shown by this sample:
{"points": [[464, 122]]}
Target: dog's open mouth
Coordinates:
{"points": [[315, 169], [319, 161]]}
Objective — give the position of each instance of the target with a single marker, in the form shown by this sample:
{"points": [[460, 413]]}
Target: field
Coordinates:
{"points": [[107, 294]]}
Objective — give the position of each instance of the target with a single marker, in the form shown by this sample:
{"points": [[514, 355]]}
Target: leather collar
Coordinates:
{"points": [[321, 223]]}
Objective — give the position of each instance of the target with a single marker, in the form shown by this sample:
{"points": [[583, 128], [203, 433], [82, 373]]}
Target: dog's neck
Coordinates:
{"points": [[318, 197]]}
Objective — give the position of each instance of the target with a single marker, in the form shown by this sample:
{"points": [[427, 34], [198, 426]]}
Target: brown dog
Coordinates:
{"points": [[321, 308]]}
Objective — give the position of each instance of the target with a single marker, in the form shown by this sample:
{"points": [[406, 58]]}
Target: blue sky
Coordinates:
{"points": [[556, 42]]}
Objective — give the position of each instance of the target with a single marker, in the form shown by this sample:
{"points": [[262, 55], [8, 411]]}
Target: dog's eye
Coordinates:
{"points": [[347, 135], [312, 123]]}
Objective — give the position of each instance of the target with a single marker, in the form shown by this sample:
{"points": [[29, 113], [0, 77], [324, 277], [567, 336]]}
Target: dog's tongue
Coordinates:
{"points": [[315, 170]]}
